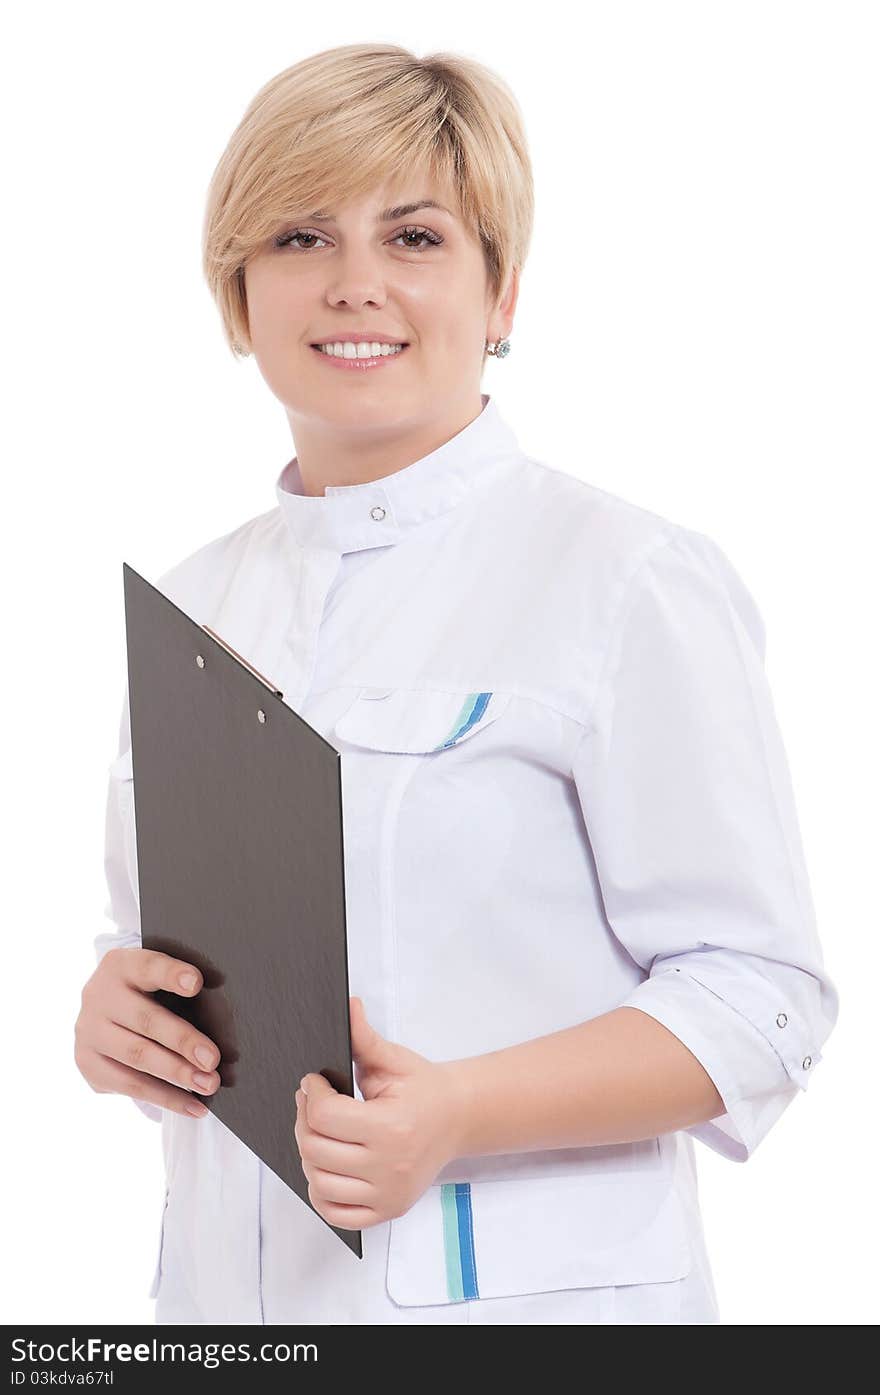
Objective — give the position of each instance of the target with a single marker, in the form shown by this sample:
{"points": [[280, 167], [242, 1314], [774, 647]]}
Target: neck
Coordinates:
{"points": [[328, 454]]}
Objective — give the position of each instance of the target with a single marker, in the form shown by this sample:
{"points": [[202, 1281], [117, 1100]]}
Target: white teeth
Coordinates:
{"points": [[363, 350]]}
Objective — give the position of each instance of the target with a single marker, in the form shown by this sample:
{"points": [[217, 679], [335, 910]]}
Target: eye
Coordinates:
{"points": [[290, 239], [287, 239], [432, 238]]}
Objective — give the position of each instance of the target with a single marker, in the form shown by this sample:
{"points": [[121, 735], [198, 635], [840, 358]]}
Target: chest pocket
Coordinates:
{"points": [[418, 721]]}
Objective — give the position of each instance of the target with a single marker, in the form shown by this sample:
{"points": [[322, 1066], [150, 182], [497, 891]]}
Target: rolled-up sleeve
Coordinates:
{"points": [[122, 908], [685, 789]]}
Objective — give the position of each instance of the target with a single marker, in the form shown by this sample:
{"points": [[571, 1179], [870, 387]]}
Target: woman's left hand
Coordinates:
{"points": [[370, 1160]]}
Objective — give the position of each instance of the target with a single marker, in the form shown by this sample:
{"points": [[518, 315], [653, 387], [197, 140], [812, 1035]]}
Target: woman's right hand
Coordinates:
{"points": [[127, 1043]]}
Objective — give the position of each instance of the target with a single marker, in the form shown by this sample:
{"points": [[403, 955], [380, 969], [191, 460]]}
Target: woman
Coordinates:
{"points": [[580, 926]]}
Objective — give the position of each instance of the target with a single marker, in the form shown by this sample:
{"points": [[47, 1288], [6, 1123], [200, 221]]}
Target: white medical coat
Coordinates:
{"points": [[564, 790]]}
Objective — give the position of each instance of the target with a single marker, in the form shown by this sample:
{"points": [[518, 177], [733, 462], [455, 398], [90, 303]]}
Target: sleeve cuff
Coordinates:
{"points": [[749, 1074]]}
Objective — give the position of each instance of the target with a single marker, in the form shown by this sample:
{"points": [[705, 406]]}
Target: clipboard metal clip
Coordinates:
{"points": [[276, 692]]}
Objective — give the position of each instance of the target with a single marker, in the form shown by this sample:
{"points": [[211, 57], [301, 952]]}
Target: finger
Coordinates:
{"points": [[150, 969], [108, 1076], [336, 1116], [145, 1054], [142, 1013], [314, 1083], [346, 1191], [348, 1217], [351, 1159]]}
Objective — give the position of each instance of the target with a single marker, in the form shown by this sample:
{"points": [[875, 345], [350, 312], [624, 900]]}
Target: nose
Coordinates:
{"points": [[356, 280]]}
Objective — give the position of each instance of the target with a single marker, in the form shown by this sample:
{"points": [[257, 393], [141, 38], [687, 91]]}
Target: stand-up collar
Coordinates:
{"points": [[350, 517]]}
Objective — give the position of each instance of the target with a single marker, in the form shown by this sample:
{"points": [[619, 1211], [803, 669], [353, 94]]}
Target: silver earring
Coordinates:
{"points": [[500, 349]]}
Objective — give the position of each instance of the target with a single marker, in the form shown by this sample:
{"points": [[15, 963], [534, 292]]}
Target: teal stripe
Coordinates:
{"points": [[463, 717], [472, 710], [458, 1241], [450, 1242]]}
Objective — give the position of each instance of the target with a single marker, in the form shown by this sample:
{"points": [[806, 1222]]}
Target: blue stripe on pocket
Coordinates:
{"points": [[458, 1241], [474, 706]]}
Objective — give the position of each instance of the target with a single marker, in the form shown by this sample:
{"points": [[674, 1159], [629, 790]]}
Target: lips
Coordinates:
{"points": [[357, 364]]}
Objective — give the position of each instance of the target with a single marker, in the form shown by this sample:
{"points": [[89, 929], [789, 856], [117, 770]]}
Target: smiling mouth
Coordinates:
{"points": [[398, 348], [361, 365]]}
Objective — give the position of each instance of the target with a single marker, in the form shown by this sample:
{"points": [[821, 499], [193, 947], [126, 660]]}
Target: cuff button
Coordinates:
{"points": [[807, 1062], [781, 1020]]}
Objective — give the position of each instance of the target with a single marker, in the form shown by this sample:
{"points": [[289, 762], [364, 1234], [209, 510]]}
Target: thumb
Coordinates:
{"points": [[372, 1051]]}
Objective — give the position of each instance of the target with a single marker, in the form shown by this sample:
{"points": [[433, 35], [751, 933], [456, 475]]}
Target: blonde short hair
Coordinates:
{"points": [[344, 121]]}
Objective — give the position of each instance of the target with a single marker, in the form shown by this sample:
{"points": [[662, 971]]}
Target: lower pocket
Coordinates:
{"points": [[492, 1239]]}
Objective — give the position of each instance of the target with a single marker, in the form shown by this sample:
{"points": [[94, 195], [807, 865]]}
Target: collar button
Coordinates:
{"points": [[377, 512]]}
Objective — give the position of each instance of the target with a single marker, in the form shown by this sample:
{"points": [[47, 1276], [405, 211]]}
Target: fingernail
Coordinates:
{"points": [[187, 981], [204, 1056], [198, 1110], [202, 1082]]}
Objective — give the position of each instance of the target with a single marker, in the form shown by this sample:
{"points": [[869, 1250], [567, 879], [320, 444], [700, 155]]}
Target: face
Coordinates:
{"points": [[418, 278]]}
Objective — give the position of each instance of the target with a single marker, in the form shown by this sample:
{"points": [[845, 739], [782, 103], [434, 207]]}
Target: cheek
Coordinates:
{"points": [[276, 307], [464, 338], [446, 321], [455, 319]]}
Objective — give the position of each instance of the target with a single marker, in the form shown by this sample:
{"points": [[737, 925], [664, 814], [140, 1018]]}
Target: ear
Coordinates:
{"points": [[503, 312]]}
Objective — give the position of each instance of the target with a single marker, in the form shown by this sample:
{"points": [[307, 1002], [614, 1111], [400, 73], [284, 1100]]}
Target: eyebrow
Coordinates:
{"points": [[388, 215]]}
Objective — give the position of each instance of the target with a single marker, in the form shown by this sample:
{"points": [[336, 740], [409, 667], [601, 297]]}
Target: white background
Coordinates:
{"points": [[696, 331]]}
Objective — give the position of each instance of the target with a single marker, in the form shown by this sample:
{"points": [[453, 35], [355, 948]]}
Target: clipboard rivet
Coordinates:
{"points": [[200, 661], [261, 716]]}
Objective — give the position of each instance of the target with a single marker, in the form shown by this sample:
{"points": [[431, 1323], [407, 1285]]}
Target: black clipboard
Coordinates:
{"points": [[238, 815]]}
